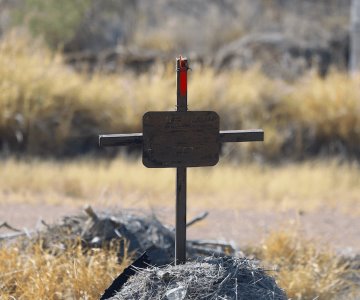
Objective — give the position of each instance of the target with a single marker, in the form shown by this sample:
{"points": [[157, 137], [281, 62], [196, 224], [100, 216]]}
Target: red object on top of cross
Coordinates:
{"points": [[183, 67], [182, 62]]}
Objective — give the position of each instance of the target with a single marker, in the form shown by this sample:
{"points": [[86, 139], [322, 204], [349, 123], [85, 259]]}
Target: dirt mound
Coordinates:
{"points": [[205, 278]]}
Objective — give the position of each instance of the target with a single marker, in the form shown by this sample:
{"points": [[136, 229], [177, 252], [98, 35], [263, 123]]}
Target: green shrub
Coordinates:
{"points": [[57, 21]]}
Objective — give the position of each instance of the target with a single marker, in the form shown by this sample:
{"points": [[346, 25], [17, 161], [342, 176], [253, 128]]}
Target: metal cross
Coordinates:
{"points": [[179, 140]]}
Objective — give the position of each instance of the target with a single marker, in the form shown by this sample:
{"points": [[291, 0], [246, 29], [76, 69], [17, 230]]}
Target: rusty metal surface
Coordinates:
{"points": [[181, 83], [180, 139]]}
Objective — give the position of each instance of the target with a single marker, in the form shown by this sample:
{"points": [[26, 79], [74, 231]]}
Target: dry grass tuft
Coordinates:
{"points": [[39, 273], [305, 270], [40, 98], [327, 110]]}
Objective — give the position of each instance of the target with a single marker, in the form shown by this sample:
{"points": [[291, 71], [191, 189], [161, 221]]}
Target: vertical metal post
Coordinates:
{"points": [[355, 37], [180, 231]]}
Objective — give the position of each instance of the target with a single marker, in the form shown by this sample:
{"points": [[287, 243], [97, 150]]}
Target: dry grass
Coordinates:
{"points": [[305, 271], [38, 273], [305, 186], [329, 109], [45, 106]]}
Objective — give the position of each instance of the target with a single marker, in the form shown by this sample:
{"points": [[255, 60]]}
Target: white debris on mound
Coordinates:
{"points": [[205, 278]]}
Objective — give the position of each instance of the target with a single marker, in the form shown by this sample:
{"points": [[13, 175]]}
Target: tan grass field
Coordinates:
{"points": [[305, 186]]}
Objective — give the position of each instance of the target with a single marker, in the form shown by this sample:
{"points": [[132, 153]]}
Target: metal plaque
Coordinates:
{"points": [[180, 139]]}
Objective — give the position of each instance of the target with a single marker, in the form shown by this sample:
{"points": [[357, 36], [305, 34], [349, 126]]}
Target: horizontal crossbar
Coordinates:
{"points": [[253, 135], [226, 136], [112, 140]]}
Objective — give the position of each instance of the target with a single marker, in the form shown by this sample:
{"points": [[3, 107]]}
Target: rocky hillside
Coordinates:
{"points": [[286, 37]]}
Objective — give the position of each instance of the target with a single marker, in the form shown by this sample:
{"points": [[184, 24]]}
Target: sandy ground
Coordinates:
{"points": [[244, 227]]}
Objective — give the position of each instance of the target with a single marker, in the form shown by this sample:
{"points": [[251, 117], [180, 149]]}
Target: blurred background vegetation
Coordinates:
{"points": [[55, 21], [72, 69]]}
